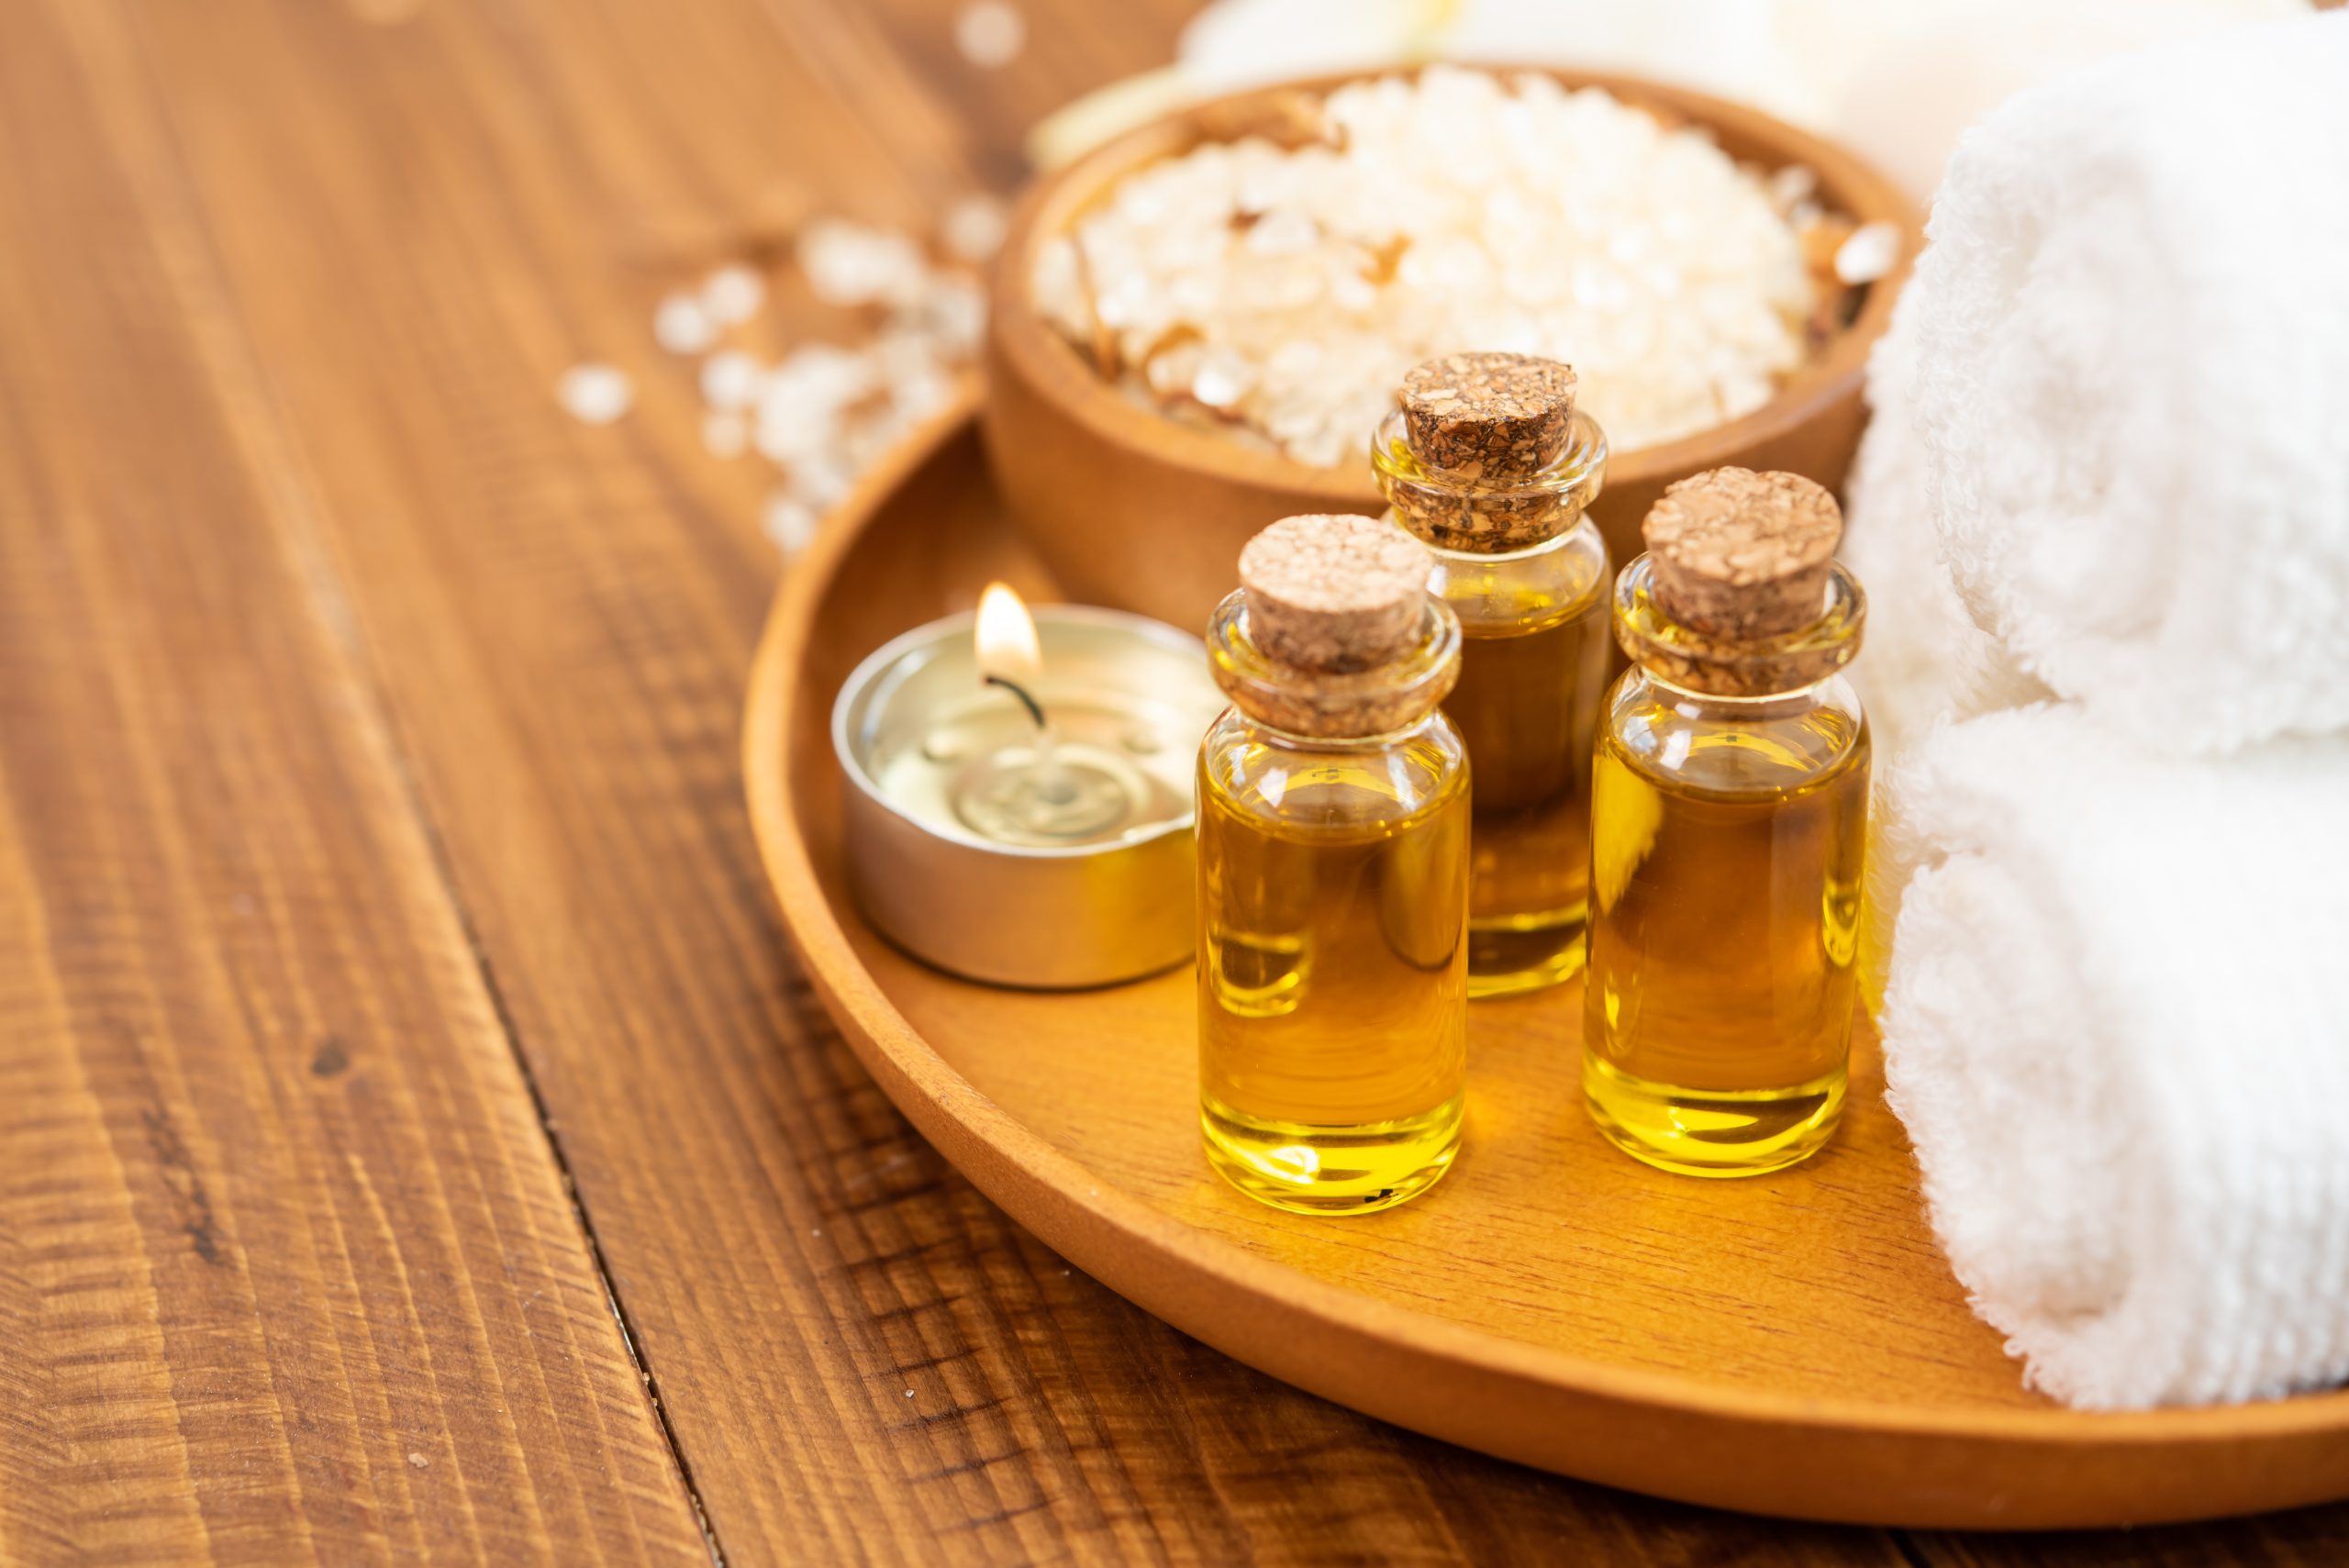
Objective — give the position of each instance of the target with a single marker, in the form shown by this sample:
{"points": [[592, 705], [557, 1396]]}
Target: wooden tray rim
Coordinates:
{"points": [[1162, 1262]]}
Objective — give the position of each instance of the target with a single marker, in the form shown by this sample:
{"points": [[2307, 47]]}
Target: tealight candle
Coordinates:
{"points": [[1019, 798]]}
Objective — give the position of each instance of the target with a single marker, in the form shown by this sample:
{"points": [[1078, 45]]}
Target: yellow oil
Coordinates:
{"points": [[1530, 686], [1728, 869], [1332, 973]]}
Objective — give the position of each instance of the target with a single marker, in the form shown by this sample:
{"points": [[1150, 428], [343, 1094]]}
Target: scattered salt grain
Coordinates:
{"points": [[789, 522], [730, 380], [950, 316], [1869, 253], [733, 294], [681, 325], [826, 411], [814, 384], [850, 264], [990, 33], [821, 481], [595, 394], [973, 228]]}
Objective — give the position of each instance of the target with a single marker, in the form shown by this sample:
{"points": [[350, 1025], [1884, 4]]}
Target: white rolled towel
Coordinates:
{"points": [[1925, 659], [2118, 1031], [2123, 383]]}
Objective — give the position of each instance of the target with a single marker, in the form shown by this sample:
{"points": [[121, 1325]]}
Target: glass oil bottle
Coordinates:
{"points": [[1729, 834], [1488, 461], [1332, 875]]}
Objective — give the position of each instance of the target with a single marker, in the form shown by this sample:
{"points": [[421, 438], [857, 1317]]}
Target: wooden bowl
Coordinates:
{"points": [[1133, 509]]}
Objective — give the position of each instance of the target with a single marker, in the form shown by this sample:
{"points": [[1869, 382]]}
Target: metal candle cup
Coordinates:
{"points": [[1052, 858]]}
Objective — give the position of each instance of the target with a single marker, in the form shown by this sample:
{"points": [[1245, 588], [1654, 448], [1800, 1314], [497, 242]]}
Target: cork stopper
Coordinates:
{"points": [[1338, 608], [1493, 419], [1331, 593], [1741, 556]]}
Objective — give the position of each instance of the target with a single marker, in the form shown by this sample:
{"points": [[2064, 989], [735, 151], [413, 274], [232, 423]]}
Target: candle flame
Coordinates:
{"points": [[1006, 637]]}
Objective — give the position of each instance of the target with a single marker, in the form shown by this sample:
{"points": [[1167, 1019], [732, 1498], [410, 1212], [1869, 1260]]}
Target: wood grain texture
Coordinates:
{"points": [[287, 1269], [423, 225], [418, 213], [2309, 1538]]}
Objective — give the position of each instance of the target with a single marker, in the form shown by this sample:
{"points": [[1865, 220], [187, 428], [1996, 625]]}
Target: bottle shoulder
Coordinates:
{"points": [[1735, 746], [1562, 579], [1297, 785]]}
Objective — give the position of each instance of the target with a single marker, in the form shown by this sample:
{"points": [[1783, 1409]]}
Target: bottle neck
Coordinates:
{"points": [[1319, 706], [1715, 708], [1478, 515], [1339, 745], [1724, 670]]}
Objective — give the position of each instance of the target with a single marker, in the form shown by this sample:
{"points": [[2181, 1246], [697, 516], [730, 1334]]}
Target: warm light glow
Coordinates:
{"points": [[1006, 637]]}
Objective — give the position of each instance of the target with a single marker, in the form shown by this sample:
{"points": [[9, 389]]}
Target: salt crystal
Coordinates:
{"points": [[1281, 233], [1170, 371], [1220, 379], [815, 382], [973, 228], [951, 313], [1352, 292], [821, 481], [733, 294], [789, 522], [730, 380], [596, 394], [1869, 253], [1059, 287], [917, 397], [1792, 185], [826, 412], [786, 444], [990, 33], [849, 264], [681, 325]]}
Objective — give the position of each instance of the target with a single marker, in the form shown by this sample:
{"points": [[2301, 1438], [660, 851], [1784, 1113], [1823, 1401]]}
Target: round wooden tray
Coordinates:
{"points": [[1792, 1344]]}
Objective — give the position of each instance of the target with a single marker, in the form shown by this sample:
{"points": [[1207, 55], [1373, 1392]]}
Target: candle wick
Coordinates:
{"points": [[1053, 782], [1035, 710]]}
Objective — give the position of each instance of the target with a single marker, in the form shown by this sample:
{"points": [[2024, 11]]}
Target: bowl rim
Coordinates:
{"points": [[1050, 365]]}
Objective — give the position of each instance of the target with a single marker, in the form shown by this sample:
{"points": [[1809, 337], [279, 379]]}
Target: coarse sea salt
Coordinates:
{"points": [[990, 33], [973, 227], [733, 294], [595, 394], [822, 412], [1280, 292], [682, 326]]}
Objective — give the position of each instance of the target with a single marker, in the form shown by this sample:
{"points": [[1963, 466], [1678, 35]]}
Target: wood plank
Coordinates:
{"points": [[2307, 1538], [858, 1355], [288, 1270]]}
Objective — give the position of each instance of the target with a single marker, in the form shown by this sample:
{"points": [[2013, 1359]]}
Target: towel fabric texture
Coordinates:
{"points": [[2117, 1035], [2113, 416], [2103, 516]]}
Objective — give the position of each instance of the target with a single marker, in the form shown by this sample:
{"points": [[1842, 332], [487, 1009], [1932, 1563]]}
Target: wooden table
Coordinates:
{"points": [[415, 1139]]}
